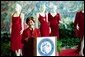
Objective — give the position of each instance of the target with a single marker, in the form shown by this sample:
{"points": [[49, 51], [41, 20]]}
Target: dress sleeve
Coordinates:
{"points": [[36, 33]]}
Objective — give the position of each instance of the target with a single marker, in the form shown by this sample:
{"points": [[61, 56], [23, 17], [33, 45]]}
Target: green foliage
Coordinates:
{"points": [[5, 37], [67, 38], [5, 44], [66, 32], [59, 45], [5, 49], [70, 42], [67, 35]]}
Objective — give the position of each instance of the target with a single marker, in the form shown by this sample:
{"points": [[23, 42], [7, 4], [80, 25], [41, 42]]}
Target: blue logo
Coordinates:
{"points": [[45, 47]]}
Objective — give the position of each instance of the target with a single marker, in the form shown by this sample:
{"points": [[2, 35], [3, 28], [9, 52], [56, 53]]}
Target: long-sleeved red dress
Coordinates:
{"points": [[28, 44]]}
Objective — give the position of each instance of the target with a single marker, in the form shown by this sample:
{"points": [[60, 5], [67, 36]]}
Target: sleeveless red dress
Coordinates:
{"points": [[15, 34], [44, 27], [80, 21], [54, 21]]}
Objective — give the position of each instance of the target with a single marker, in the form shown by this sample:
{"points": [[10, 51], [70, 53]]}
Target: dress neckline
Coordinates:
{"points": [[53, 16], [43, 16]]}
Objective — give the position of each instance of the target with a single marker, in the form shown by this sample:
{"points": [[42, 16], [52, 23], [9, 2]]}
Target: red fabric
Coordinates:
{"points": [[15, 34], [54, 24], [44, 27], [30, 33], [69, 52], [28, 48], [80, 21]]}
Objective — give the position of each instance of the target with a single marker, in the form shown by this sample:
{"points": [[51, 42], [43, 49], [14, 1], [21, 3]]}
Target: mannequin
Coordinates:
{"points": [[16, 30], [54, 19], [79, 29], [42, 17]]}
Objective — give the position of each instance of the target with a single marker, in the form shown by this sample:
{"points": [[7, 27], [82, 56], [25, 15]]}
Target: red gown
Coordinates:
{"points": [[15, 34], [54, 21], [28, 47], [80, 21], [44, 27]]}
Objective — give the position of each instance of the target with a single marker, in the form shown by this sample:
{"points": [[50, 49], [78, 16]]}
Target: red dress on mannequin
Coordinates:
{"points": [[15, 34], [80, 21], [44, 27], [54, 21]]}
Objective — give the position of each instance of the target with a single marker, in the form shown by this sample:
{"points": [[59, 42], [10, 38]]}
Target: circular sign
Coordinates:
{"points": [[46, 47]]}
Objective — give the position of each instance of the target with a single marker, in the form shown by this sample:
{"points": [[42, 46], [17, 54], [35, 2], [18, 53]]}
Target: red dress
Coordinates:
{"points": [[80, 21], [15, 34], [54, 21], [44, 27], [28, 47]]}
